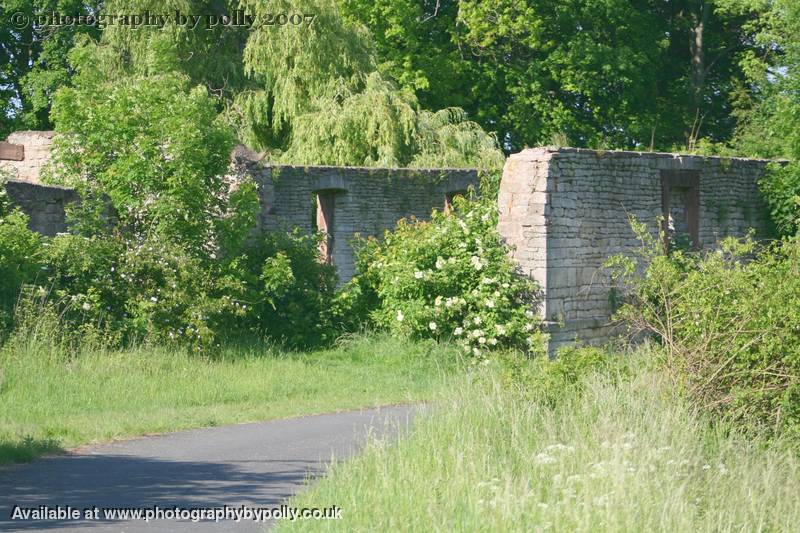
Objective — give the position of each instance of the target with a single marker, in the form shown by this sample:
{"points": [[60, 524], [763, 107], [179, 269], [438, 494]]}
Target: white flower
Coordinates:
{"points": [[558, 447], [432, 326], [458, 331], [477, 333], [153, 299], [529, 313], [418, 274], [476, 351], [501, 330], [400, 316], [485, 217], [528, 327], [86, 306], [476, 262], [493, 341], [544, 459], [439, 263], [477, 320], [482, 340], [490, 304], [438, 301], [448, 302]]}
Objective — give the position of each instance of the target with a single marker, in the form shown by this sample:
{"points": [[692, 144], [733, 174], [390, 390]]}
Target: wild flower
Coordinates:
{"points": [[544, 459]]}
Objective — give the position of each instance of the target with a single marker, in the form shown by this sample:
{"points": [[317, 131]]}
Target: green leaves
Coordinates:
{"points": [[156, 148], [729, 320]]}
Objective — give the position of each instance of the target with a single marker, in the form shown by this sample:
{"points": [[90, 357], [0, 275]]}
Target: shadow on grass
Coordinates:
{"points": [[27, 449]]}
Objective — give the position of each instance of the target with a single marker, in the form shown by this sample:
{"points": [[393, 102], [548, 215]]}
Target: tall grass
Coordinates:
{"points": [[625, 454], [52, 397]]}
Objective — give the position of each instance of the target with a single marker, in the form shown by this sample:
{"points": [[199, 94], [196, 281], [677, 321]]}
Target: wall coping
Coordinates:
{"points": [[552, 149]]}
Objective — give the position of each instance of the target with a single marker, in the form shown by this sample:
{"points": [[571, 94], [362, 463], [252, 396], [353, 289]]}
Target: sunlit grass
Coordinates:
{"points": [[51, 400], [628, 454]]}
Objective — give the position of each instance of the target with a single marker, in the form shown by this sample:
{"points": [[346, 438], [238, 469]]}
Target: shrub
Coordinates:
{"points": [[19, 255], [450, 278], [286, 289], [19, 261], [781, 190], [157, 291], [729, 320]]}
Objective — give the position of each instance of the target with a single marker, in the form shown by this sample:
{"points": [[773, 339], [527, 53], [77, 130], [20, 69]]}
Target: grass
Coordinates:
{"points": [[625, 454], [50, 400]]}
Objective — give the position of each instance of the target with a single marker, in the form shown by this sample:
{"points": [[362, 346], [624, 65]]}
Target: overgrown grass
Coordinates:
{"points": [[626, 454], [50, 399]]}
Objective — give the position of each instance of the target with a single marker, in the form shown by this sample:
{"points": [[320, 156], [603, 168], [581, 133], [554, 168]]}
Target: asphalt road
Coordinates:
{"points": [[253, 465]]}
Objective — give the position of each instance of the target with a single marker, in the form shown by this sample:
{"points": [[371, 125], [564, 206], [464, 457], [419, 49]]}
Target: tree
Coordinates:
{"points": [[604, 73], [278, 84], [154, 145], [33, 58], [769, 115]]}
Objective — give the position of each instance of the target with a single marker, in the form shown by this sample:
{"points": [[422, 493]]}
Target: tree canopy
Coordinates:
{"points": [[397, 82]]}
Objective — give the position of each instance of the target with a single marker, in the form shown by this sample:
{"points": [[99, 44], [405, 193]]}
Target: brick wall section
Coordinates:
{"points": [[566, 211], [44, 204], [37, 146], [367, 201]]}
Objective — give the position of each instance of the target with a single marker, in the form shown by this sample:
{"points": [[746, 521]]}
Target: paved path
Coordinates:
{"points": [[255, 465]]}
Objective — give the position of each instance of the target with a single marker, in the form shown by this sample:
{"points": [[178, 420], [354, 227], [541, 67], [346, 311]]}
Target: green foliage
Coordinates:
{"points": [[156, 149], [769, 116], [451, 278], [781, 190], [34, 59], [600, 73], [287, 290], [19, 261], [158, 291], [310, 94], [553, 380], [730, 322]]}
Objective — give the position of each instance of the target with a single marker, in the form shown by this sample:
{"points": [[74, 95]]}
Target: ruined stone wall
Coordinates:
{"points": [[365, 201], [44, 204], [566, 211], [36, 149]]}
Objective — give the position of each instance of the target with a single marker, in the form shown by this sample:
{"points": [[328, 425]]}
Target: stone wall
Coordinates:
{"points": [[36, 149], [566, 211], [364, 201], [44, 204]]}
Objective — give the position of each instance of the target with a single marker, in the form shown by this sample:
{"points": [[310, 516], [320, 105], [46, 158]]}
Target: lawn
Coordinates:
{"points": [[622, 451], [50, 400]]}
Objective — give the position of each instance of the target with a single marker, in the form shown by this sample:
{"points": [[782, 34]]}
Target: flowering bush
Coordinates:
{"points": [[451, 278]]}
